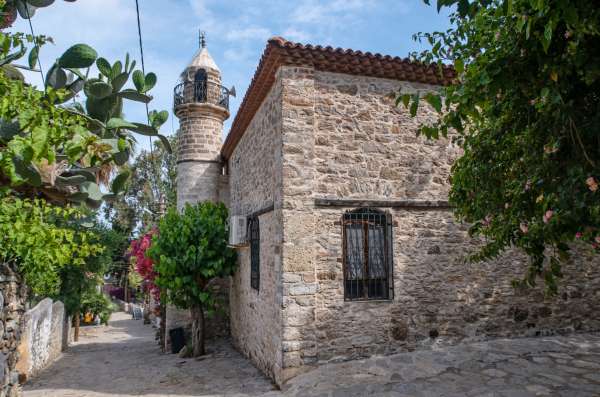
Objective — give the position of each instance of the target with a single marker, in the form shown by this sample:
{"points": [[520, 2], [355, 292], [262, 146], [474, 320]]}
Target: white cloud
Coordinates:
{"points": [[248, 33], [325, 12], [294, 34]]}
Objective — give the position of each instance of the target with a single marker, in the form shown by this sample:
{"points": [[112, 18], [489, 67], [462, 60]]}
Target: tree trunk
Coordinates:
{"points": [[126, 289], [163, 326], [76, 325], [197, 313]]}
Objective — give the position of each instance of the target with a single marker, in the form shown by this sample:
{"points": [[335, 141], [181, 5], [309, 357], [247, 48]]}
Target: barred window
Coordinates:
{"points": [[367, 255], [254, 232], [200, 85]]}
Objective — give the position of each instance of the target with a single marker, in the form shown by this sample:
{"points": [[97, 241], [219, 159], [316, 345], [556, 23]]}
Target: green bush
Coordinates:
{"points": [[189, 251], [43, 239], [97, 304]]}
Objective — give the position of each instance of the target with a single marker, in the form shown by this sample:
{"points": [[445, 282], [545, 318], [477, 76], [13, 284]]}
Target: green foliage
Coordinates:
{"points": [[190, 250], [44, 143], [133, 277], [526, 110], [78, 56], [97, 304], [43, 240], [151, 189], [24, 8], [79, 280]]}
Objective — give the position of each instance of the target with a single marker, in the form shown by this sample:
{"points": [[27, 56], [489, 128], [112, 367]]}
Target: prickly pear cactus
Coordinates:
{"points": [[102, 141]]}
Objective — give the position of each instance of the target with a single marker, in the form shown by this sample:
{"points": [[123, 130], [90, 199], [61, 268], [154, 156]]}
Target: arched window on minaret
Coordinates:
{"points": [[200, 85]]}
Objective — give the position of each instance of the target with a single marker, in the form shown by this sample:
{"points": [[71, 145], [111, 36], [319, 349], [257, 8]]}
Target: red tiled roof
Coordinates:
{"points": [[280, 52]]}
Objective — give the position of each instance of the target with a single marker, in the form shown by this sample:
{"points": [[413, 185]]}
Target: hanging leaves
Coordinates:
{"points": [[525, 111]]}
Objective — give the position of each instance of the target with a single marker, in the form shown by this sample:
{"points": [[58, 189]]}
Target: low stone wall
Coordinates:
{"points": [[45, 335], [12, 307]]}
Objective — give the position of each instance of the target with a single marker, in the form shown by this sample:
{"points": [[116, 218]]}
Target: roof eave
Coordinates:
{"points": [[280, 52]]}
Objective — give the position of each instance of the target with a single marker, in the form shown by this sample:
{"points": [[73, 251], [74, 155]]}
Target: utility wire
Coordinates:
{"points": [[36, 46], [139, 26]]}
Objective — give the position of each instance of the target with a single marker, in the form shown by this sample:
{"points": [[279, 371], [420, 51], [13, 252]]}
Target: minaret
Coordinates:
{"points": [[202, 105]]}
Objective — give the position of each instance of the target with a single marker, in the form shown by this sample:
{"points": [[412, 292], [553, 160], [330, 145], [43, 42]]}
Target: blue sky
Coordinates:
{"points": [[237, 32]]}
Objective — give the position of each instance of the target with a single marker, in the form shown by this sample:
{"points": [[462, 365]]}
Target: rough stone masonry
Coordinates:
{"points": [[318, 134], [13, 294]]}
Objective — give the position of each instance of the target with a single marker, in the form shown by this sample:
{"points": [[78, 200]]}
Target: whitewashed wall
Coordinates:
{"points": [[45, 336]]}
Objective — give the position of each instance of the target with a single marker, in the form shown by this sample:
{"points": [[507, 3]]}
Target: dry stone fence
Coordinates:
{"points": [[30, 340], [12, 309]]}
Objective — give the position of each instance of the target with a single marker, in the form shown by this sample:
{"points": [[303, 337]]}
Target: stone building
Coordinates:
{"points": [[353, 250]]}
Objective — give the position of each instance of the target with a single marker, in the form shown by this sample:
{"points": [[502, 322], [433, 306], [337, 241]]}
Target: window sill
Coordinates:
{"points": [[368, 300]]}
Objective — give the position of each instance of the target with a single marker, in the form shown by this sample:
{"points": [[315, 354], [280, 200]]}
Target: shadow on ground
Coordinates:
{"points": [[124, 359]]}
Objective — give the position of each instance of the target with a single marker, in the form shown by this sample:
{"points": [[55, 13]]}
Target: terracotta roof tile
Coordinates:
{"points": [[280, 52]]}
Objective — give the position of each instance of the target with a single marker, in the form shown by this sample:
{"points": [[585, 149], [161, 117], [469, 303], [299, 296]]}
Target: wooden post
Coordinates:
{"points": [[126, 289]]}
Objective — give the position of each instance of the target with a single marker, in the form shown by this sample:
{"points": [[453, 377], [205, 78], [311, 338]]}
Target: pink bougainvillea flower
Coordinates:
{"points": [[548, 215], [592, 184], [524, 228], [144, 265], [578, 235], [597, 239]]}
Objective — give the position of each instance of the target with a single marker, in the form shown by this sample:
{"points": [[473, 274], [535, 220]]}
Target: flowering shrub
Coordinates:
{"points": [[144, 266], [525, 110]]}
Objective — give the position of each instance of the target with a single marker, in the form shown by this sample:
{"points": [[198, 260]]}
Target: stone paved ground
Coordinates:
{"points": [[123, 360]]}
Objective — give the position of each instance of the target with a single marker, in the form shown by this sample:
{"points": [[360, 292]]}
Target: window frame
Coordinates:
{"points": [[366, 283], [254, 241], [200, 85]]}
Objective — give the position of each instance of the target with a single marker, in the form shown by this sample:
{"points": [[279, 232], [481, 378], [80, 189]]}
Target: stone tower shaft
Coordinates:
{"points": [[202, 105]]}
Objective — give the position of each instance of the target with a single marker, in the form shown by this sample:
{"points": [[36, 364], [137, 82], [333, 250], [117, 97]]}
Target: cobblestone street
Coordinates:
{"points": [[124, 360]]}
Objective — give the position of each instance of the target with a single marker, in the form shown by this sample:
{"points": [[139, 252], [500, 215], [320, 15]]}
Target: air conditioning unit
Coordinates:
{"points": [[238, 233]]}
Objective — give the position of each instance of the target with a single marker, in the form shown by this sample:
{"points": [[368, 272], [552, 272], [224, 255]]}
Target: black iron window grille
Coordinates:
{"points": [[254, 233], [367, 255], [200, 86]]}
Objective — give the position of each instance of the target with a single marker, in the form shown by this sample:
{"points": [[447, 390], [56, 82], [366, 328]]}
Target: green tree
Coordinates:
{"points": [[154, 183], [525, 108], [43, 240], [151, 189], [189, 251], [80, 280]]}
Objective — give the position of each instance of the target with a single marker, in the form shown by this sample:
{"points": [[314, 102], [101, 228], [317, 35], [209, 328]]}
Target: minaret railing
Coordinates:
{"points": [[201, 92]]}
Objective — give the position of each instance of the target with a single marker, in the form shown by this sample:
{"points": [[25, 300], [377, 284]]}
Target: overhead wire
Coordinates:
{"points": [[158, 195], [36, 46]]}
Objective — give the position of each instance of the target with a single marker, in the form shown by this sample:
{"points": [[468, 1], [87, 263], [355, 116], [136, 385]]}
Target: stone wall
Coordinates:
{"points": [[438, 298], [45, 336], [299, 282], [255, 185], [13, 295], [343, 138], [365, 147]]}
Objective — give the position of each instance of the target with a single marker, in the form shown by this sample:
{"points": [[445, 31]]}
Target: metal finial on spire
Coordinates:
{"points": [[202, 39]]}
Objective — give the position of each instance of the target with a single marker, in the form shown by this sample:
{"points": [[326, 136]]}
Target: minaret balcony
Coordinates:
{"points": [[201, 92]]}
